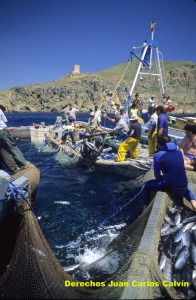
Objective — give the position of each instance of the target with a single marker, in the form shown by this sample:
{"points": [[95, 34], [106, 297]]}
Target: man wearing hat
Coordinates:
{"points": [[131, 142]]}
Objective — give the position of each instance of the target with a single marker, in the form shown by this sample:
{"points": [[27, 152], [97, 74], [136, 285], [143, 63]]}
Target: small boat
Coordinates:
{"points": [[102, 158]]}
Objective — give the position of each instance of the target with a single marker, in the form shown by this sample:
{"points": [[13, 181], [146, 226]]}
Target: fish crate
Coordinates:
{"points": [[180, 123], [191, 120]]}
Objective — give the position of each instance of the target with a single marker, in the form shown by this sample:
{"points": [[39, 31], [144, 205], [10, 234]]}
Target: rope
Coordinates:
{"points": [[16, 192], [126, 204], [121, 77]]}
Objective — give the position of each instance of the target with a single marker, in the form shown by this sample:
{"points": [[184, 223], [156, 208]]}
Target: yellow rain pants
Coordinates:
{"points": [[152, 144], [129, 144]]}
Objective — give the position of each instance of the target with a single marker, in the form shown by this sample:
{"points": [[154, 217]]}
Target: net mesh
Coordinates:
{"points": [[32, 270]]}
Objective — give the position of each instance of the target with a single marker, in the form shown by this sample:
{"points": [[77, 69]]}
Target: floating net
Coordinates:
{"points": [[33, 271]]}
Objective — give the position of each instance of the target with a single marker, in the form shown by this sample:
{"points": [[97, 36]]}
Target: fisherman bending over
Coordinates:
{"points": [[121, 129], [131, 142]]}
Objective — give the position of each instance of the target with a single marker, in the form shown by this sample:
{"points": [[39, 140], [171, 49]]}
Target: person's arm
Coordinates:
{"points": [[157, 167], [110, 119], [160, 131], [152, 130]]}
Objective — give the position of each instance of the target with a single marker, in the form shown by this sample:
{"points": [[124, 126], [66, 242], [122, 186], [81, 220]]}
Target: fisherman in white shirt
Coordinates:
{"points": [[97, 115], [72, 113], [151, 102]]}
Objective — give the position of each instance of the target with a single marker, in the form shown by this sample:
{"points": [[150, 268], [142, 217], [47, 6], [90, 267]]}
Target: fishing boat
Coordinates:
{"points": [[101, 156]]}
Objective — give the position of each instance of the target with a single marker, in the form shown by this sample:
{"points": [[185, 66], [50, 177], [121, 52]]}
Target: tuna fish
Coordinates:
{"points": [[193, 252], [186, 238], [188, 226], [177, 218], [162, 260], [171, 230], [182, 258], [169, 220]]}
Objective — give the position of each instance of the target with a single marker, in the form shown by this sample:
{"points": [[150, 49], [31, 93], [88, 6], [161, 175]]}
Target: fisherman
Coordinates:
{"points": [[68, 130], [72, 113], [117, 108], [121, 129], [138, 103], [124, 115], [131, 142], [134, 111], [93, 123], [170, 174], [97, 115], [162, 123], [152, 131], [151, 102], [9, 152], [188, 147], [61, 120]]}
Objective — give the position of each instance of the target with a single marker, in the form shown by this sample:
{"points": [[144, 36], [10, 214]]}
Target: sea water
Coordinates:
{"points": [[79, 208]]}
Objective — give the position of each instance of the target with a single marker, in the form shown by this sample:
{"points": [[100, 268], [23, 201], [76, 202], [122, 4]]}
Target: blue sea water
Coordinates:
{"points": [[73, 201]]}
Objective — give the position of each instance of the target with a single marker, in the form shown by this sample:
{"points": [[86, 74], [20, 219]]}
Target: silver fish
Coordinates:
{"points": [[193, 234], [189, 219], [187, 273], [178, 247], [162, 260], [177, 218], [188, 226], [167, 270], [186, 238], [194, 227], [182, 258], [194, 274], [165, 227], [193, 252], [178, 236], [171, 230], [169, 220]]}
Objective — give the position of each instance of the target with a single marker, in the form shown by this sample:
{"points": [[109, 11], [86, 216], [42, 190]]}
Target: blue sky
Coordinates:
{"points": [[41, 40]]}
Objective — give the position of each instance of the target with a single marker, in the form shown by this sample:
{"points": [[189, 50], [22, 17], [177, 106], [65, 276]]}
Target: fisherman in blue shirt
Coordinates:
{"points": [[162, 123], [170, 174]]}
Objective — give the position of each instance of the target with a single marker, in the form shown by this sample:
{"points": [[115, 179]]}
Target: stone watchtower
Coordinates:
{"points": [[76, 70]]}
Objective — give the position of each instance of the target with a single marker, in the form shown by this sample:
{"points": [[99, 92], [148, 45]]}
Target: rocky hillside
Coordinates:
{"points": [[86, 90]]}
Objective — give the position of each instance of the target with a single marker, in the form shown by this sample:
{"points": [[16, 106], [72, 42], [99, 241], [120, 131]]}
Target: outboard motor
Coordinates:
{"points": [[91, 151]]}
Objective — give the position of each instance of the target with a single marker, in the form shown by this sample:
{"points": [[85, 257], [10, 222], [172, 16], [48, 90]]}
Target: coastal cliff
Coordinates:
{"points": [[86, 90]]}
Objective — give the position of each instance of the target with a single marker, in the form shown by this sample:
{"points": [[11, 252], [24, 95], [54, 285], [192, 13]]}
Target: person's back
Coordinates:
{"points": [[135, 130], [170, 174], [170, 161]]}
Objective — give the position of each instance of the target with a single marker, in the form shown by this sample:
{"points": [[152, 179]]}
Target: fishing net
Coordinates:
{"points": [[33, 271]]}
